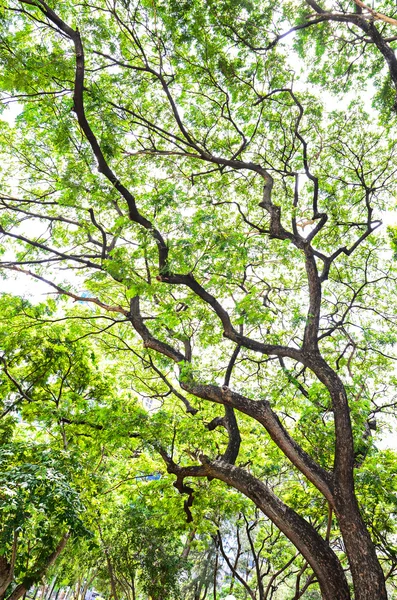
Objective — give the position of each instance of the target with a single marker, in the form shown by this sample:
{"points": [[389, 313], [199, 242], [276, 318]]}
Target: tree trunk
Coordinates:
{"points": [[5, 579], [233, 570], [18, 592], [112, 578], [368, 578], [7, 568], [68, 593], [51, 588], [188, 544], [215, 573], [133, 588], [311, 545], [24, 587]]}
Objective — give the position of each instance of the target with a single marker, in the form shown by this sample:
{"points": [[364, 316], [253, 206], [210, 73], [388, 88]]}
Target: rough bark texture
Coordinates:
{"points": [[367, 574], [312, 546]]}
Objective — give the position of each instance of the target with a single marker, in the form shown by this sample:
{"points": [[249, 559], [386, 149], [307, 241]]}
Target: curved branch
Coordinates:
{"points": [[366, 24], [312, 546], [78, 107], [263, 414]]}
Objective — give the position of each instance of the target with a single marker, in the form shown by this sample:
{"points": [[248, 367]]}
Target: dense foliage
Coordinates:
{"points": [[199, 188]]}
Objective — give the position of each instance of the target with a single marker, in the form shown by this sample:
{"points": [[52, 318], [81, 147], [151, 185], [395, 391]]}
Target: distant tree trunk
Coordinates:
{"points": [[51, 588], [112, 578], [7, 568], [188, 544], [133, 587], [68, 593], [233, 569], [23, 587], [36, 590], [88, 582], [216, 571]]}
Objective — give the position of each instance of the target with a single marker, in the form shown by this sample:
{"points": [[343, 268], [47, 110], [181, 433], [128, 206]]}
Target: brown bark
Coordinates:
{"points": [[368, 577], [317, 552], [188, 544], [22, 588], [7, 568], [306, 539], [367, 25]]}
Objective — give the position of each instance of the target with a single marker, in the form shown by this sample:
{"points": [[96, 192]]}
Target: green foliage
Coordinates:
{"points": [[155, 192], [38, 504], [145, 547]]}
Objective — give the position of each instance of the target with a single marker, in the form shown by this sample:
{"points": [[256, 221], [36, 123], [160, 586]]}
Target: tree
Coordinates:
{"points": [[145, 553], [39, 512], [209, 206]]}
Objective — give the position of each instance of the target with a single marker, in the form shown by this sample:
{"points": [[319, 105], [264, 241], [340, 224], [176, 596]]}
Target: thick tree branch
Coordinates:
{"points": [[230, 421], [262, 412], [103, 166], [306, 539], [376, 15], [150, 341]]}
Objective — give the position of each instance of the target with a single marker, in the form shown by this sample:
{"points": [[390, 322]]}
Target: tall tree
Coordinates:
{"points": [[206, 204]]}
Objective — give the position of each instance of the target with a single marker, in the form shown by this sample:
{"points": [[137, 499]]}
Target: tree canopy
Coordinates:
{"points": [[201, 186]]}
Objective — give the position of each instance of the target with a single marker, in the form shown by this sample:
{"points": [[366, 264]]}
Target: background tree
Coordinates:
{"points": [[39, 512]]}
